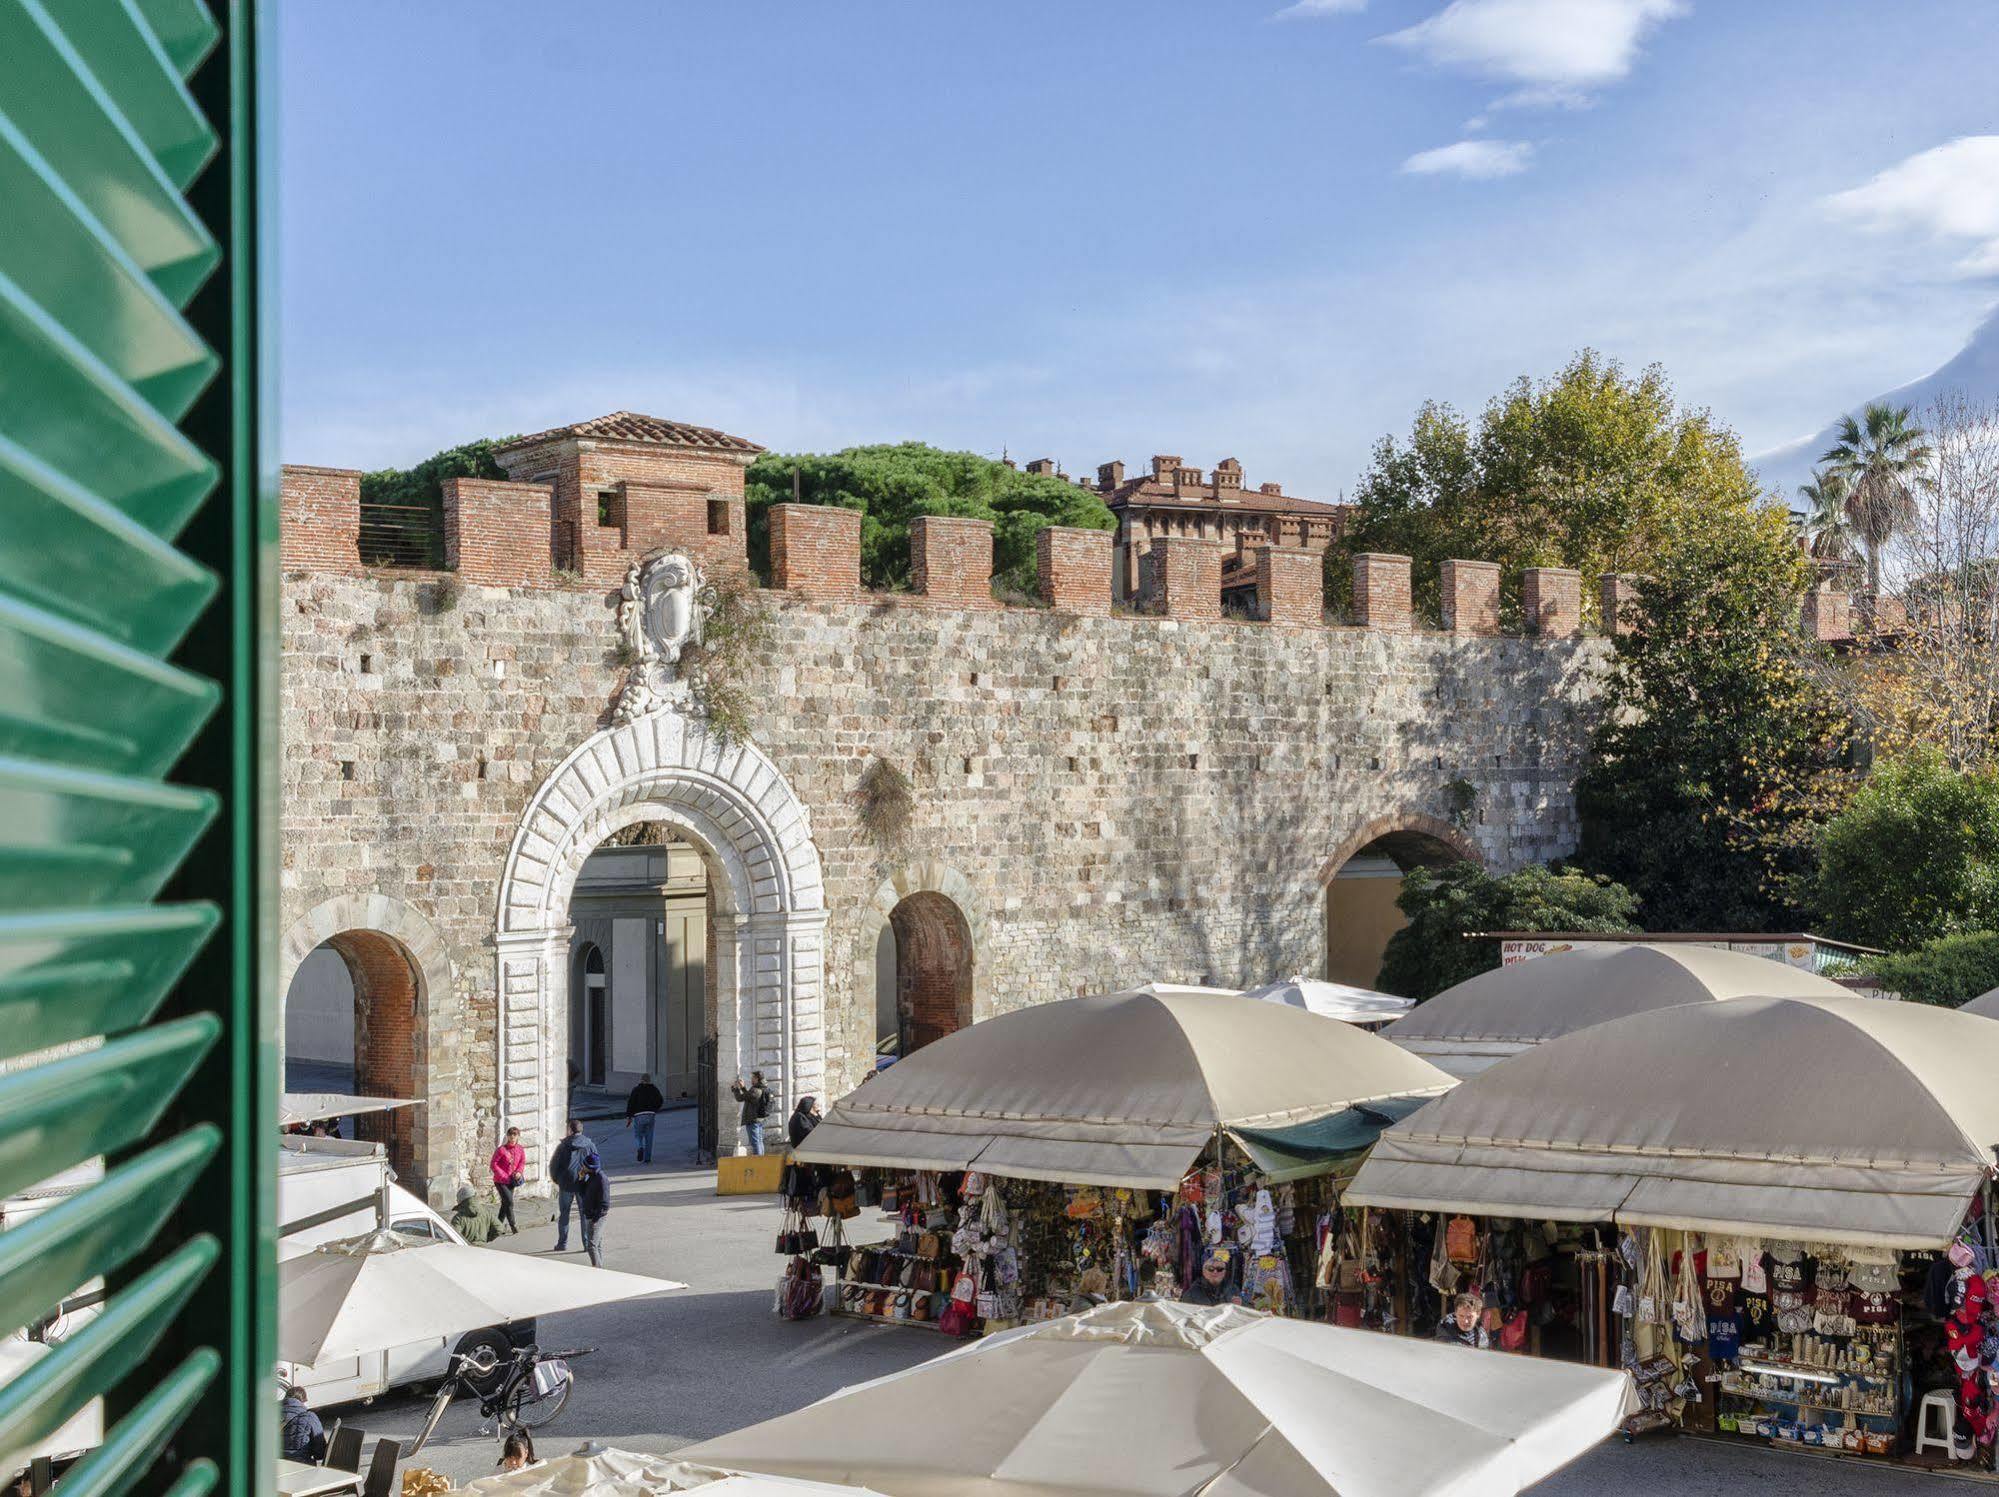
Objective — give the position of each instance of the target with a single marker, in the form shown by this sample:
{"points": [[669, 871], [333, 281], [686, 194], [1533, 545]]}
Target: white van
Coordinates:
{"points": [[317, 1177]]}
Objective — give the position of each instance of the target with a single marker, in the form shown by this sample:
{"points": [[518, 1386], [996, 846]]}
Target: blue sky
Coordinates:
{"points": [[1089, 229]]}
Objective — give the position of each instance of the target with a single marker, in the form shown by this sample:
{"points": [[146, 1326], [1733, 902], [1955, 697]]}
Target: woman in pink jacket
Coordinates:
{"points": [[509, 1166]]}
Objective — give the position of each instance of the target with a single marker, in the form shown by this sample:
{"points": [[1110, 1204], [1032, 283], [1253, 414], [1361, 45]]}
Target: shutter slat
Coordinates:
{"points": [[71, 837], [96, 1231], [185, 29], [85, 422], [129, 1449], [70, 975], [52, 97], [63, 532], [130, 65], [62, 1112], [90, 1363], [82, 278]]}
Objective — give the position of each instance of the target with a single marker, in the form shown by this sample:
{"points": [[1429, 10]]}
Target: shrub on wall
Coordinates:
{"points": [[1913, 857], [1950, 971], [1431, 953]]}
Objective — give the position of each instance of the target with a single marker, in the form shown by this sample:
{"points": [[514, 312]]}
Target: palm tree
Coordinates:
{"points": [[1828, 529], [1881, 457]]}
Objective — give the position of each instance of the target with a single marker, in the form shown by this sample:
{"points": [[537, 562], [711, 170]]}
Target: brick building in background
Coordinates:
{"points": [[1174, 500]]}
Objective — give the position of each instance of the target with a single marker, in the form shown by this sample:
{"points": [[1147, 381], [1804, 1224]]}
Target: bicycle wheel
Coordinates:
{"points": [[531, 1410]]}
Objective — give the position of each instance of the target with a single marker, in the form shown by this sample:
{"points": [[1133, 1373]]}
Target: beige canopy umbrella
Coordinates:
{"points": [[1333, 1000], [1829, 1119], [382, 1289], [311, 1107], [1160, 1400], [1985, 1005], [601, 1471], [1122, 1089], [1486, 1018]]}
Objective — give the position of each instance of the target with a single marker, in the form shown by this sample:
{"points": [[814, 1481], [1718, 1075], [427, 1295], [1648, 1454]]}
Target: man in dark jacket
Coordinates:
{"points": [[593, 1196], [570, 1153], [1211, 1284], [301, 1436], [756, 1100], [640, 1107]]}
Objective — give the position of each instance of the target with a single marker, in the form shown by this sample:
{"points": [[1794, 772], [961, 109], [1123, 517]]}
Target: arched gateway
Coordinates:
{"points": [[768, 928]]}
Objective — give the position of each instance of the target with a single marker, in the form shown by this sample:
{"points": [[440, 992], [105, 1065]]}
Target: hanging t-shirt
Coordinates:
{"points": [[1792, 1272], [1749, 1255], [1723, 1296]]}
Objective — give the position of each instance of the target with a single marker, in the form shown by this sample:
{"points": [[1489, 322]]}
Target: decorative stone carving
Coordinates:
{"points": [[661, 610]]}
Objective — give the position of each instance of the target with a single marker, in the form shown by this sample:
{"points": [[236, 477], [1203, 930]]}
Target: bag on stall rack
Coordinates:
{"points": [[1513, 1331], [1347, 1307], [843, 1196], [1461, 1240]]}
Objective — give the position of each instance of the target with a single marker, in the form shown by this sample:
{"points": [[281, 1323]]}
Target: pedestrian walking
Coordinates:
{"points": [[562, 1166], [509, 1165], [593, 1199], [804, 1118], [641, 1108], [757, 1102]]}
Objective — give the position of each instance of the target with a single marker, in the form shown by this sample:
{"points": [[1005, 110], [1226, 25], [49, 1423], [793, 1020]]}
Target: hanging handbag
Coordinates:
{"points": [[841, 1196], [1461, 1240], [1513, 1333]]}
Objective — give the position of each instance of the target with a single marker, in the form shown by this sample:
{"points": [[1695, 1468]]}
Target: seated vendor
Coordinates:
{"points": [[1465, 1325], [1210, 1286]]}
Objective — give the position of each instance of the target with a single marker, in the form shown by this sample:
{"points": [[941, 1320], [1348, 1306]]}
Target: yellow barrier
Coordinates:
{"points": [[748, 1174]]}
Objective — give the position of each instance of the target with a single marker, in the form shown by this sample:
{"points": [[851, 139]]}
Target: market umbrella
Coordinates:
{"points": [[1823, 1119], [1985, 1005], [1122, 1089], [1486, 1018], [383, 1289], [310, 1107], [601, 1471], [1333, 1000], [1158, 1398]]}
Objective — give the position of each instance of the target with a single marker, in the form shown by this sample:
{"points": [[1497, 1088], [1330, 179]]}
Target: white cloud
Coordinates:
{"points": [[1556, 50], [1479, 160], [1949, 192], [1306, 10]]}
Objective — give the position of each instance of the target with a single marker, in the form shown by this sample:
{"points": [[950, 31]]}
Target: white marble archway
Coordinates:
{"points": [[769, 921]]}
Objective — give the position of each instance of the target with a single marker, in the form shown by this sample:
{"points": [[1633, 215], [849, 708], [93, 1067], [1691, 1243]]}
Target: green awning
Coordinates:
{"points": [[1321, 1145]]}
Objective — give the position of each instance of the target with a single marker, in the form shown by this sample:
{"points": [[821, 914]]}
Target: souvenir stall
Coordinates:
{"points": [[1100, 1149], [1775, 1213]]}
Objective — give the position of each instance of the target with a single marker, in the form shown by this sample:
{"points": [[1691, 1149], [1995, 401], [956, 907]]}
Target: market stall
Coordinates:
{"points": [[1097, 1148], [1774, 1211], [1486, 1018]]}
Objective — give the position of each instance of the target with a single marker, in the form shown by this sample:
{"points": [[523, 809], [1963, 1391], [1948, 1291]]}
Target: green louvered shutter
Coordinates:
{"points": [[134, 664]]}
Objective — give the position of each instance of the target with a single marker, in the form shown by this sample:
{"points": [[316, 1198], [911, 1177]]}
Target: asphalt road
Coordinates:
{"points": [[710, 1358]]}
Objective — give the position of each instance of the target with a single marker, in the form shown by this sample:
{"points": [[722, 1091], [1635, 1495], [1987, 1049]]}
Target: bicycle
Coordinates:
{"points": [[531, 1388]]}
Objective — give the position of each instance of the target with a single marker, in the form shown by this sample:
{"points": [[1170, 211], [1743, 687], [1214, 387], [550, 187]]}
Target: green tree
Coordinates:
{"points": [[1721, 749], [408, 524], [1914, 856], [892, 484], [1951, 970], [1881, 457], [1431, 953], [1583, 470], [1828, 529]]}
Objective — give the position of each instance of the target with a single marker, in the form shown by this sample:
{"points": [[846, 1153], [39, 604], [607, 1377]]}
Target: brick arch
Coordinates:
{"points": [[396, 961], [926, 922], [725, 798], [1417, 826]]}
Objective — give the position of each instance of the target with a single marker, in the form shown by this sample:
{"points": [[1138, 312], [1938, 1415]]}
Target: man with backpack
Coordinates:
{"points": [[757, 1103], [563, 1165], [593, 1199]]}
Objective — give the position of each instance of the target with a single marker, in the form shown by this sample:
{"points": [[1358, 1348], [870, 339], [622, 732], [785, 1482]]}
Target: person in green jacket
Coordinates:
{"points": [[472, 1219]]}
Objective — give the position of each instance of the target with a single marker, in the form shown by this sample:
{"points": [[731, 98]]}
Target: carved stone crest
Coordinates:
{"points": [[661, 610]]}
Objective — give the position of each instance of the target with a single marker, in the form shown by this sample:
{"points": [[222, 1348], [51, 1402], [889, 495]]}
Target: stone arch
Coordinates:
{"points": [[728, 801], [1359, 902], [397, 962], [927, 877]]}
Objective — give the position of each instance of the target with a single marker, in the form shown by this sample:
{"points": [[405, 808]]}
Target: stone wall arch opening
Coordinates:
{"points": [[933, 969], [1364, 878], [762, 973], [357, 975]]}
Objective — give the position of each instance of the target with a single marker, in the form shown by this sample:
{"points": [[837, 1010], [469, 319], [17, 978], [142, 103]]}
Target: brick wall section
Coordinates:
{"points": [[1827, 614], [1073, 569], [496, 533], [815, 550], [385, 1040], [951, 560], [1290, 585], [1381, 592], [1619, 602], [708, 527], [1471, 597], [1551, 598], [1183, 577], [319, 519]]}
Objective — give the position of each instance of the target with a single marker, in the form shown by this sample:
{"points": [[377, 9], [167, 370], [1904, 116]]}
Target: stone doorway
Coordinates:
{"points": [[933, 969], [1363, 882]]}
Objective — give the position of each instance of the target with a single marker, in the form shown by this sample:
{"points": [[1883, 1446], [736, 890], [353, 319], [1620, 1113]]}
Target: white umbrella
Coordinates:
{"points": [[1334, 1000], [83, 1430], [344, 1299], [600, 1471], [310, 1107], [1131, 1400]]}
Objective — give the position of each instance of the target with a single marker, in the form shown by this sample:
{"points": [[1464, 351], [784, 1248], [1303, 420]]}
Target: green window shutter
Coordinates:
{"points": [[136, 566]]}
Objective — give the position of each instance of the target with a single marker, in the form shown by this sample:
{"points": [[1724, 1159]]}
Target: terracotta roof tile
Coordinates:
{"points": [[630, 426]]}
